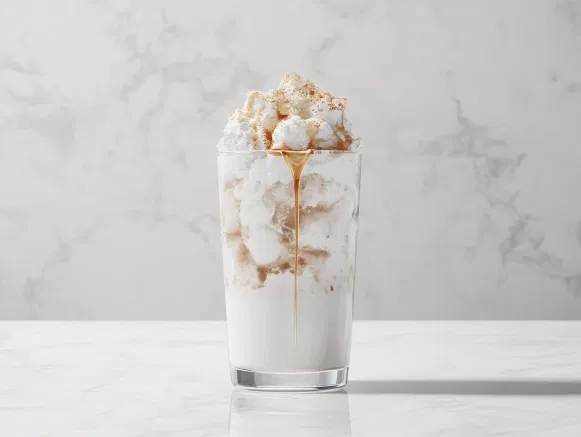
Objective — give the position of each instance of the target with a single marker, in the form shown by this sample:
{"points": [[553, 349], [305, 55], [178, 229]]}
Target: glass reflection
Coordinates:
{"points": [[254, 414]]}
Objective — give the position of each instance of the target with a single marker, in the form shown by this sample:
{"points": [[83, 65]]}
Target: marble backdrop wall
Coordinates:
{"points": [[470, 113]]}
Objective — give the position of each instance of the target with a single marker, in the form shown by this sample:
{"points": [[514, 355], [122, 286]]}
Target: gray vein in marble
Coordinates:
{"points": [[494, 169], [317, 54], [573, 283], [148, 64], [9, 64], [191, 72], [18, 216], [346, 10], [41, 111], [344, 13], [571, 11], [60, 256], [194, 225]]}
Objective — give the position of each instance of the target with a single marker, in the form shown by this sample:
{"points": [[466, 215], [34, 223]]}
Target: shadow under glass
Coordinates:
{"points": [[468, 387]]}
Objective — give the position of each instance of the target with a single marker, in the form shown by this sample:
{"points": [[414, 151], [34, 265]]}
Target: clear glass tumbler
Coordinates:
{"points": [[289, 312]]}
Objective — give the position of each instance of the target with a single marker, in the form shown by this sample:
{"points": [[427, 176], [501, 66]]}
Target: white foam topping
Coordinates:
{"points": [[295, 116]]}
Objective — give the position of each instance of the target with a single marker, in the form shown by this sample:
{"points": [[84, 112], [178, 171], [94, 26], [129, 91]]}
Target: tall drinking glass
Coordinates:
{"points": [[289, 238]]}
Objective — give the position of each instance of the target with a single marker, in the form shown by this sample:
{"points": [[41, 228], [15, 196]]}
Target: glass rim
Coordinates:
{"points": [[313, 152]]}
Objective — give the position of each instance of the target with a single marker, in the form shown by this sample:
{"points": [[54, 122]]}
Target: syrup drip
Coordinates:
{"points": [[296, 161]]}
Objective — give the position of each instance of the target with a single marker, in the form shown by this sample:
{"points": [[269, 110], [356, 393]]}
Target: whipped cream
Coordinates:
{"points": [[295, 116]]}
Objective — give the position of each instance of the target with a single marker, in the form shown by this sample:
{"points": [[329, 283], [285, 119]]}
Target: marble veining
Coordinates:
{"points": [[407, 378], [494, 171], [110, 111]]}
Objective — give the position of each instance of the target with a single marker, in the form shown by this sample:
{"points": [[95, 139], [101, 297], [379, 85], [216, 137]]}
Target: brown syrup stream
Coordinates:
{"points": [[296, 161]]}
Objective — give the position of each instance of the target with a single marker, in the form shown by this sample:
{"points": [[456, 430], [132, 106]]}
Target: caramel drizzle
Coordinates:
{"points": [[296, 161]]}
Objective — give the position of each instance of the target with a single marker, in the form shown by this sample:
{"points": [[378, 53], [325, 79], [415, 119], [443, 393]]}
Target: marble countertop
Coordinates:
{"points": [[407, 379]]}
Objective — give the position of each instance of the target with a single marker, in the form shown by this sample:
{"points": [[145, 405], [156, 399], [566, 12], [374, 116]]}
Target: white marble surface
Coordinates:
{"points": [[469, 110], [407, 378]]}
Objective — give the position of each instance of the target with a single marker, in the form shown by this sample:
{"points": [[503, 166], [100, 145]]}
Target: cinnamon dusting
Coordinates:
{"points": [[295, 96]]}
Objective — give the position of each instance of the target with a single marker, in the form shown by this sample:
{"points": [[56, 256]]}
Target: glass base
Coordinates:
{"points": [[303, 381]]}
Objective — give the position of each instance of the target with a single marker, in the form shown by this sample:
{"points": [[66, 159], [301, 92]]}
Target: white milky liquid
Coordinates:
{"points": [[257, 212]]}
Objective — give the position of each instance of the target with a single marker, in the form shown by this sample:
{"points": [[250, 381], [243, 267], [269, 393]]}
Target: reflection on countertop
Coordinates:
{"points": [[322, 414]]}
